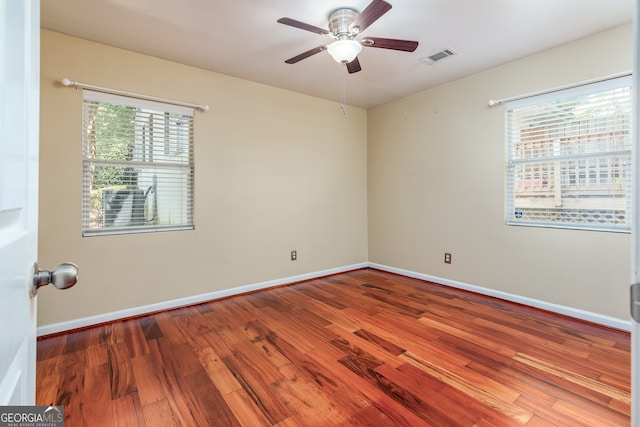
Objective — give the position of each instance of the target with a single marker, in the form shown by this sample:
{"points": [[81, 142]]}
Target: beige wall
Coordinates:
{"points": [[436, 184], [275, 171], [398, 185]]}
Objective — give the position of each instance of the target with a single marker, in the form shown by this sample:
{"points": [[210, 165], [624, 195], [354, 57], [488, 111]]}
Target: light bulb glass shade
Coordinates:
{"points": [[344, 51]]}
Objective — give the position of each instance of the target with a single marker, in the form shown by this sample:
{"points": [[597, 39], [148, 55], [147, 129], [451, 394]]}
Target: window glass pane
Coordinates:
{"points": [[569, 158], [138, 167]]}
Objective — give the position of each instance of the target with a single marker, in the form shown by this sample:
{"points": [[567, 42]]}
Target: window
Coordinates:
{"points": [[137, 165], [569, 158]]}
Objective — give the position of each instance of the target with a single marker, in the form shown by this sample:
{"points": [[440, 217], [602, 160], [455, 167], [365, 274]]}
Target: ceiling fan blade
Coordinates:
{"points": [[303, 26], [371, 14], [394, 44], [305, 55], [353, 66]]}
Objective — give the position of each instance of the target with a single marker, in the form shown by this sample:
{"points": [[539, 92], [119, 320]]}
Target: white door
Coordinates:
{"points": [[635, 235], [19, 121]]}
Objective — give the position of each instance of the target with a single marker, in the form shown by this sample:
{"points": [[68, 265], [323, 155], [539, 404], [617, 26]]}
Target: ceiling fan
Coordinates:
{"points": [[345, 24]]}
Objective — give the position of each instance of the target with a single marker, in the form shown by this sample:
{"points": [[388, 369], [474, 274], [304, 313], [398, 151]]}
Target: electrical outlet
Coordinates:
{"points": [[294, 255], [447, 258]]}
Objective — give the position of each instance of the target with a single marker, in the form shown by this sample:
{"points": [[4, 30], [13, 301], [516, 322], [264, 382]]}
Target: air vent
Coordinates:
{"points": [[438, 56]]}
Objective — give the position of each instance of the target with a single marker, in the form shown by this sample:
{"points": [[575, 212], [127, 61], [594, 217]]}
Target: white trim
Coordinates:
{"points": [[182, 302], [577, 313]]}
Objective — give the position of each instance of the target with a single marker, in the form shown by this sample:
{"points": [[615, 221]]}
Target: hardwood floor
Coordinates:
{"points": [[363, 348]]}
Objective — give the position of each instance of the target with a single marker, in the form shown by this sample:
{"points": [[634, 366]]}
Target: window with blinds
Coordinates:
{"points": [[569, 158], [137, 165]]}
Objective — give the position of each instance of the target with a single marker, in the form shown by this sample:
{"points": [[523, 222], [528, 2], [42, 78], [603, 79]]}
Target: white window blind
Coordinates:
{"points": [[138, 165], [569, 158]]}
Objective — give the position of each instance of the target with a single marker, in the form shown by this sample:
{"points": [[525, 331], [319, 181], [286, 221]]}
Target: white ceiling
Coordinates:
{"points": [[241, 38]]}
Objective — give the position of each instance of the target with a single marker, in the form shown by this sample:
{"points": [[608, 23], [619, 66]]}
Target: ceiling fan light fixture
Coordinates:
{"points": [[345, 50]]}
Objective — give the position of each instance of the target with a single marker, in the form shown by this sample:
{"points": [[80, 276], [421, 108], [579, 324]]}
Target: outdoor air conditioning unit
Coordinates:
{"points": [[123, 208]]}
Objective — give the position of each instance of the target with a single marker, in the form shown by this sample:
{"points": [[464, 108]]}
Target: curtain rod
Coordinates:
{"points": [[66, 82], [493, 102]]}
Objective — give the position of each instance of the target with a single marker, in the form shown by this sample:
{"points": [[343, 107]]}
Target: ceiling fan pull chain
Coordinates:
{"points": [[343, 98]]}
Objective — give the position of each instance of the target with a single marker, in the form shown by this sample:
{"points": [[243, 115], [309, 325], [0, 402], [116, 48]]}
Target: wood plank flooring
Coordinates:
{"points": [[362, 348]]}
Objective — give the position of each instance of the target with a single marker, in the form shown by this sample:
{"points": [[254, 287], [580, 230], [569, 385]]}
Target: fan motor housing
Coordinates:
{"points": [[341, 19]]}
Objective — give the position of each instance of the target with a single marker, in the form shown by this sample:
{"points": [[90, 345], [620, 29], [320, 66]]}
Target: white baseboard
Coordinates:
{"points": [[55, 328], [182, 302], [612, 322]]}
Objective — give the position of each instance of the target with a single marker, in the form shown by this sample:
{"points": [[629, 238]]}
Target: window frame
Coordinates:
{"points": [[175, 163], [574, 177]]}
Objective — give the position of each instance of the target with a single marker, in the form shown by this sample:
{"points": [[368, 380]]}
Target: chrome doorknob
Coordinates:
{"points": [[62, 277]]}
